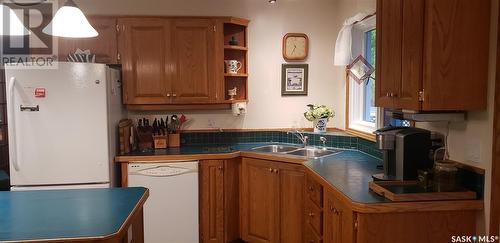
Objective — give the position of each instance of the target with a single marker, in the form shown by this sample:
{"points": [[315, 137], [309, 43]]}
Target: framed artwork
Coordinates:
{"points": [[294, 79]]}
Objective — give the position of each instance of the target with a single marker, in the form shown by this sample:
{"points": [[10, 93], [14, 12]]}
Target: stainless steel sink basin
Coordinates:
{"points": [[313, 152], [275, 148]]}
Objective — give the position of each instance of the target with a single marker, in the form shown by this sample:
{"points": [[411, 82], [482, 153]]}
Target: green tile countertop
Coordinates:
{"points": [[59, 214], [349, 170]]}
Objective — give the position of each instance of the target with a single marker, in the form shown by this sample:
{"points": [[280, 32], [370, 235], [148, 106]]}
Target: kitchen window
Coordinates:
{"points": [[362, 115]]}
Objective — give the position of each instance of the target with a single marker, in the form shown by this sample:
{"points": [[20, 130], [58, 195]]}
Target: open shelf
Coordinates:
{"points": [[235, 75], [236, 29], [238, 48]]}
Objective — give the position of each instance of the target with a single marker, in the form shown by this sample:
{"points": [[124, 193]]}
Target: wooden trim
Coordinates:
{"points": [[346, 99], [495, 162], [124, 172], [273, 157], [364, 135], [179, 107], [361, 134], [153, 158], [475, 169], [239, 48]]}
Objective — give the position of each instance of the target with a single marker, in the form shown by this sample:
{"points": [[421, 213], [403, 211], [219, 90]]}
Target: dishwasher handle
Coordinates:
{"points": [[164, 171]]}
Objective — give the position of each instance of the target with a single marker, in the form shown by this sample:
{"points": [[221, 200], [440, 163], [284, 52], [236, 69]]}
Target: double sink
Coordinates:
{"points": [[308, 152]]}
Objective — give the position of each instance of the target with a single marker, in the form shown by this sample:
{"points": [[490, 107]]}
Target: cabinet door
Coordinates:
{"points": [[259, 198], [410, 83], [388, 64], [291, 191], [144, 45], [103, 46], [333, 221], [399, 53], [456, 54], [194, 42], [339, 221], [212, 201]]}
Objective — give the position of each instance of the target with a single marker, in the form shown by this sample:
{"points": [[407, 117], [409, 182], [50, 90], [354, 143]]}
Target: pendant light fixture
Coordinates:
{"points": [[14, 27], [69, 21]]}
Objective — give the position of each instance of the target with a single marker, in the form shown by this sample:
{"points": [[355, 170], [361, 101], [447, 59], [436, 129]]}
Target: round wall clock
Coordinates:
{"points": [[295, 46]]}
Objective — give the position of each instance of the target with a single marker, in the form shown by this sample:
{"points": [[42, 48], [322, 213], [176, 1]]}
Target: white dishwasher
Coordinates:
{"points": [[171, 211]]}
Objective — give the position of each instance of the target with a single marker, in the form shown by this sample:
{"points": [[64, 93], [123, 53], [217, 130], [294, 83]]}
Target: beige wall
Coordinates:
{"points": [[319, 19]]}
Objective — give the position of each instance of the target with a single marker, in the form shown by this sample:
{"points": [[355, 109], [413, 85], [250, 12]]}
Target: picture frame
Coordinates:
{"points": [[294, 79]]}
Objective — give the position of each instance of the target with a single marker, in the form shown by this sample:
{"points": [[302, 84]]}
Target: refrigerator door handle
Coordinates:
{"points": [[11, 111]]}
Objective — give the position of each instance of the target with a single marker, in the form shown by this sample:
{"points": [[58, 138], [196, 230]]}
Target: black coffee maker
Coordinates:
{"points": [[406, 150]]}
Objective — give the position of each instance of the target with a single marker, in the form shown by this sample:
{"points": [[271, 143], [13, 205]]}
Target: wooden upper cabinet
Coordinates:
{"points": [[457, 35], [388, 64], [194, 52], [144, 45], [104, 46], [432, 54]]}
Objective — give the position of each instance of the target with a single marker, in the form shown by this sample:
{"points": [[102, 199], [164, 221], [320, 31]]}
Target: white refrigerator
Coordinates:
{"points": [[62, 126]]}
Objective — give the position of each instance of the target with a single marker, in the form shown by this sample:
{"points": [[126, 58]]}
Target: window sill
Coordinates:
{"points": [[361, 134]]}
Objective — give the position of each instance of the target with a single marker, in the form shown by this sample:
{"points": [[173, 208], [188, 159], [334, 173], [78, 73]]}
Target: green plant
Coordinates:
{"points": [[317, 112]]}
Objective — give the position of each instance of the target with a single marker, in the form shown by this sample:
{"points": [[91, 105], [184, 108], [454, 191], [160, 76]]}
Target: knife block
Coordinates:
{"points": [[160, 141], [145, 139], [174, 140]]}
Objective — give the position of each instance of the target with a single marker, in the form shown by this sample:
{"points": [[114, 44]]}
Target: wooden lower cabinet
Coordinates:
{"points": [[272, 198], [415, 227], [219, 200], [339, 227]]}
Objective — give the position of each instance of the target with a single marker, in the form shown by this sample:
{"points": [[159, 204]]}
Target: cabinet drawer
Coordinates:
{"points": [[314, 217], [314, 191], [310, 236]]}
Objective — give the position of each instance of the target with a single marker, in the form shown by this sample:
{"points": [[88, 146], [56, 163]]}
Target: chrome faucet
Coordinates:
{"points": [[300, 135], [323, 140]]}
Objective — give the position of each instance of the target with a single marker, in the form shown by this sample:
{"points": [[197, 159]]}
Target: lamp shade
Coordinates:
{"points": [[69, 21], [10, 24]]}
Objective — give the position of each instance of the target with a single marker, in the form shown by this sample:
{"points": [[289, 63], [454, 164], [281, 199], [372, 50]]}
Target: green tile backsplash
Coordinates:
{"points": [[334, 139]]}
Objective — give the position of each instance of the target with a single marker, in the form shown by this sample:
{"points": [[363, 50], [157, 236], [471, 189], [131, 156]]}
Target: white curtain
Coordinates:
{"points": [[343, 54]]}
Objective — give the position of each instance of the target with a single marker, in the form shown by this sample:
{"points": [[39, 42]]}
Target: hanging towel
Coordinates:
{"points": [[343, 55]]}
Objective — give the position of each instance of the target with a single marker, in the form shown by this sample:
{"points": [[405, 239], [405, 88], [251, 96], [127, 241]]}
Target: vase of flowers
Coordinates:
{"points": [[319, 115]]}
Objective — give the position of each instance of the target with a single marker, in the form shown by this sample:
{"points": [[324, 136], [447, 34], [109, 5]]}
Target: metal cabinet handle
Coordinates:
{"points": [[271, 170], [168, 94], [276, 171], [388, 94], [220, 168], [174, 95], [311, 215], [311, 188]]}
